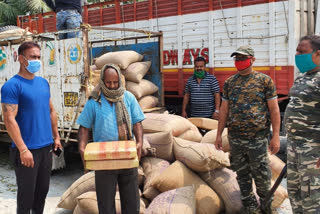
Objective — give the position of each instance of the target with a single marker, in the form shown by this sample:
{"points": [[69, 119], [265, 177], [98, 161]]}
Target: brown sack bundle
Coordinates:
{"points": [[200, 157], [204, 123], [87, 203], [181, 200], [121, 58], [152, 168], [148, 101], [165, 123], [144, 88], [163, 144], [192, 134], [178, 175], [210, 137], [84, 184], [136, 71], [276, 166], [224, 182]]}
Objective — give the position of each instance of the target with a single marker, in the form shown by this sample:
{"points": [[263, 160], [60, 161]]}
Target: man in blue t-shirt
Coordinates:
{"points": [[31, 123], [113, 114]]}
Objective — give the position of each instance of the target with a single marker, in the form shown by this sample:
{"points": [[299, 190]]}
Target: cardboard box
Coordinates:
{"points": [[112, 164], [112, 150]]}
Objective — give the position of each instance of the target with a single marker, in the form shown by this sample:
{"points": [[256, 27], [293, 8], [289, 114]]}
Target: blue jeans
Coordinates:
{"points": [[68, 19]]}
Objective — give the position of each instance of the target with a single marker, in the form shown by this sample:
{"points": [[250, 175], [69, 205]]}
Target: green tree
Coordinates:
{"points": [[10, 9]]}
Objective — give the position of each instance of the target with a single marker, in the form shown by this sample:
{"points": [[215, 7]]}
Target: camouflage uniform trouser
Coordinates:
{"points": [[303, 176], [249, 159]]}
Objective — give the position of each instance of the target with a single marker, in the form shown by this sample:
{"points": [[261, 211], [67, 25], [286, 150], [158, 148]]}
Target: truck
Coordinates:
{"points": [[209, 28], [66, 66]]}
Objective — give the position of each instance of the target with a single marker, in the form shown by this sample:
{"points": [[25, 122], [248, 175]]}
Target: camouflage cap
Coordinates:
{"points": [[244, 50]]}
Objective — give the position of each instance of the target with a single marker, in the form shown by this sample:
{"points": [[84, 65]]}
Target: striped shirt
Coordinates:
{"points": [[202, 100]]}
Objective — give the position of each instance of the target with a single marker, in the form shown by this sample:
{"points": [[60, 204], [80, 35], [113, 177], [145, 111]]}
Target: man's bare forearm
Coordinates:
{"points": [[83, 137], [275, 122], [15, 134], [274, 116], [217, 100], [9, 113], [54, 124], [185, 101], [138, 132], [224, 111]]}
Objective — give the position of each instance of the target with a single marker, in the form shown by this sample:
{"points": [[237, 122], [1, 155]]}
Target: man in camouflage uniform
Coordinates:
{"points": [[249, 104], [302, 120]]}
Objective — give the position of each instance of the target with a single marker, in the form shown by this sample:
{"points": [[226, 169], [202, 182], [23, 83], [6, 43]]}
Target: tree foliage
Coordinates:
{"points": [[10, 9]]}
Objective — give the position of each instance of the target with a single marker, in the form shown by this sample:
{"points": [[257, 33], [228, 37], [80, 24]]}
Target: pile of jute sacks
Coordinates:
{"points": [[133, 71], [185, 173]]}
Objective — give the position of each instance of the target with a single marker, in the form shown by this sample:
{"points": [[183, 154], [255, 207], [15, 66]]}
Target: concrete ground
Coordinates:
{"points": [[60, 181]]}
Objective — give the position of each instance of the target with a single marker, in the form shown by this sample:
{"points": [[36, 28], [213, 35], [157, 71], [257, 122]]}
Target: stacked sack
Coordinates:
{"points": [[133, 71], [179, 175], [172, 181]]}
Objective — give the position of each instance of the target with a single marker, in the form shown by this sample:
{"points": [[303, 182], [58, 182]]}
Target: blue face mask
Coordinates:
{"points": [[33, 65], [304, 62]]}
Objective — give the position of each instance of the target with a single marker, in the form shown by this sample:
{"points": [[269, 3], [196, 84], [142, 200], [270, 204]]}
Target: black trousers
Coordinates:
{"points": [[106, 182], [33, 183]]}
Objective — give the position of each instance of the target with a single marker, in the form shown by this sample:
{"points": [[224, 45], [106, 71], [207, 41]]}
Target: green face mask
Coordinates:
{"points": [[199, 74]]}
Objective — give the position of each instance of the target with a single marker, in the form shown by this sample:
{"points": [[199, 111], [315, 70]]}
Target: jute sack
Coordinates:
{"points": [[146, 201], [204, 123], [136, 71], [165, 123], [121, 58], [148, 101], [147, 150], [163, 143], [181, 200], [276, 166], [224, 182], [84, 184], [88, 203], [178, 175], [93, 67], [94, 77], [78, 210], [21, 34], [210, 137], [278, 197], [200, 157], [140, 176], [145, 87], [192, 134], [152, 168]]}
